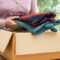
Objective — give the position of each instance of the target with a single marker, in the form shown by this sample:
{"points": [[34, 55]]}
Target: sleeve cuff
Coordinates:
{"points": [[2, 25]]}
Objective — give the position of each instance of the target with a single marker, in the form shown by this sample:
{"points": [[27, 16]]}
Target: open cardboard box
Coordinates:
{"points": [[25, 46], [4, 39]]}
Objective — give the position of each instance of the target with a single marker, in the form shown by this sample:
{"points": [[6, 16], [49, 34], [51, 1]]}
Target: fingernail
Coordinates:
{"points": [[17, 16]]}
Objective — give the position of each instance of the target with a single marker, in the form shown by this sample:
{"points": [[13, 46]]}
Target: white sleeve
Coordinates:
{"points": [[2, 25]]}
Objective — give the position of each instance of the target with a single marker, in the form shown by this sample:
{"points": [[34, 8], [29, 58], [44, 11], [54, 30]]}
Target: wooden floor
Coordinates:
{"points": [[11, 54]]}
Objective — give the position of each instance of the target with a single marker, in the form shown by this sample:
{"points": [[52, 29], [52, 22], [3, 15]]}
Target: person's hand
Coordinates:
{"points": [[9, 23]]}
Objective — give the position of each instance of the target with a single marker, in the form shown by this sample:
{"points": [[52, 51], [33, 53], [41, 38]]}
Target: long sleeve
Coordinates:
{"points": [[25, 6], [33, 6], [2, 24]]}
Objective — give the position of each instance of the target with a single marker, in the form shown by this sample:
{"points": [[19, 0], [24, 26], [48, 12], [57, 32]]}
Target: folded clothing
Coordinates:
{"points": [[37, 23], [41, 28], [36, 19]]}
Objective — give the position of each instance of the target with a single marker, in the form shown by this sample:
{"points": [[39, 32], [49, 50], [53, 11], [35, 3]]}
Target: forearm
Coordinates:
{"points": [[2, 23]]}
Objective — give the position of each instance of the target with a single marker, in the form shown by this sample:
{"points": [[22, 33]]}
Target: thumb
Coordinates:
{"points": [[12, 18]]}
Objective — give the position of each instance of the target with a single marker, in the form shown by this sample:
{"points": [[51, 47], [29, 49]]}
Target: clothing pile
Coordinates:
{"points": [[37, 23]]}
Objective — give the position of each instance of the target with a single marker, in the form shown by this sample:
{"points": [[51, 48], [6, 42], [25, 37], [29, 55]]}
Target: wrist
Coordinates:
{"points": [[6, 26]]}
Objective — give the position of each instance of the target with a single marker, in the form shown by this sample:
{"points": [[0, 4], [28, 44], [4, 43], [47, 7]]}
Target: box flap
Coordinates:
{"points": [[4, 39]]}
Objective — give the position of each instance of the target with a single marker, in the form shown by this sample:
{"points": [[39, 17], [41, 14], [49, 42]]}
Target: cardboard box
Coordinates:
{"points": [[26, 43], [25, 46]]}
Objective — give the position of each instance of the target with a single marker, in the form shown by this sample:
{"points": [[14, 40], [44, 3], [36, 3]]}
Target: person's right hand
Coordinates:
{"points": [[9, 23]]}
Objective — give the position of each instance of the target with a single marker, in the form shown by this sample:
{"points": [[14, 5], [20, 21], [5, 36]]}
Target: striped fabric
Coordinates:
{"points": [[36, 19], [38, 23]]}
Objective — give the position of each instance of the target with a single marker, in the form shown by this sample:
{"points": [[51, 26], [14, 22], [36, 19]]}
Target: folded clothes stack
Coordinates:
{"points": [[37, 23]]}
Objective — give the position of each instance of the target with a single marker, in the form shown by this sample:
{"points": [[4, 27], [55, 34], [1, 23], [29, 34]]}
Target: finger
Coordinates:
{"points": [[12, 18], [15, 26], [14, 23], [15, 17]]}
